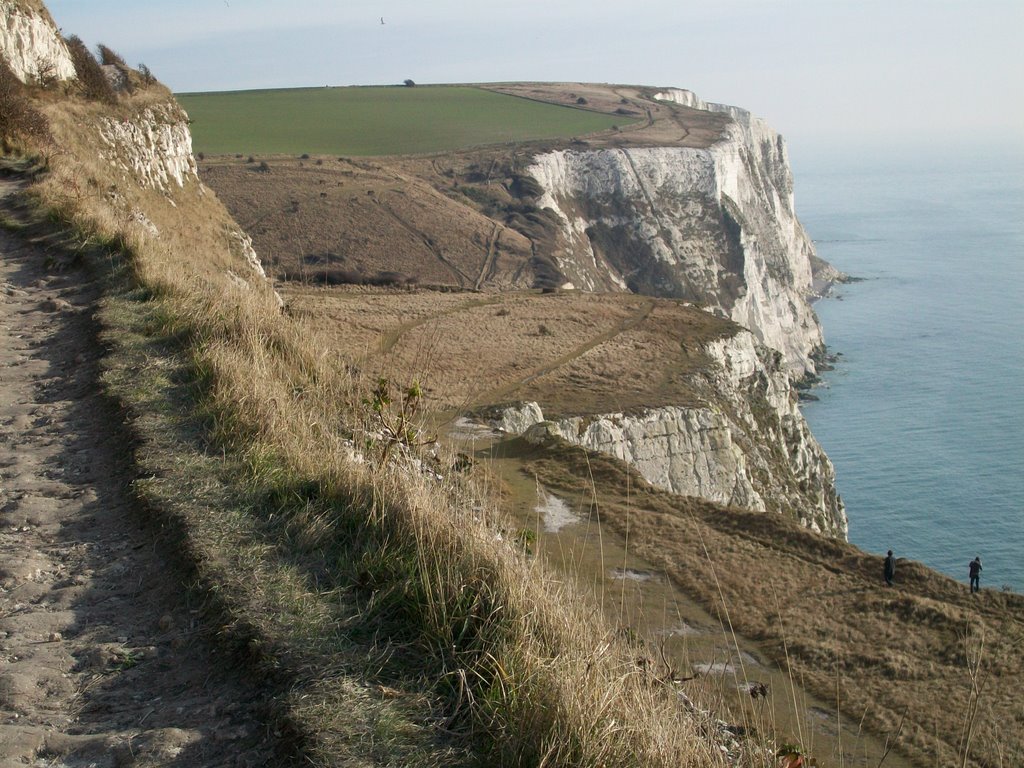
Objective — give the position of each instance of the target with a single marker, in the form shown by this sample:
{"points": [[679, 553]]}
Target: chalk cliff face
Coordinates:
{"points": [[147, 148], [155, 148], [715, 226], [748, 446], [32, 46]]}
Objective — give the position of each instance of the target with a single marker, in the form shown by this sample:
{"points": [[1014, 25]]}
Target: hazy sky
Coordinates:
{"points": [[832, 75]]}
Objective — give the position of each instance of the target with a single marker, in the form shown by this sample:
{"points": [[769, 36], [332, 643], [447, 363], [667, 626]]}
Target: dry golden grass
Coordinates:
{"points": [[575, 353], [36, 7], [336, 220], [898, 657], [927, 653], [528, 673]]}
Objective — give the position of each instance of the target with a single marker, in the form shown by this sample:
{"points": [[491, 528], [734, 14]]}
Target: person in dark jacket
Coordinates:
{"points": [[890, 568], [975, 571]]}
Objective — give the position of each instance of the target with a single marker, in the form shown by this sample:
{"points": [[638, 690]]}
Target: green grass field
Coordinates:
{"points": [[375, 120]]}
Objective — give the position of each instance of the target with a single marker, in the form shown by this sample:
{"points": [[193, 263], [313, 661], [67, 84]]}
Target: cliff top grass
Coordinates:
{"points": [[401, 120], [574, 352], [30, 6], [465, 218], [357, 121]]}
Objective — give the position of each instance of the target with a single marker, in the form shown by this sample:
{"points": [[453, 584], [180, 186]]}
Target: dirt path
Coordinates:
{"points": [[102, 660], [462, 278], [487, 268]]}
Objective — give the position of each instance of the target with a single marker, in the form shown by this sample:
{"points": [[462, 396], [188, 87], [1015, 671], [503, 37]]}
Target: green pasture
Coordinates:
{"points": [[375, 120]]}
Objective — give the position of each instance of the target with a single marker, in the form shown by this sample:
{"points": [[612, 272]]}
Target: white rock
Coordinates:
{"points": [[518, 419], [155, 148], [32, 45], [669, 204], [748, 446]]}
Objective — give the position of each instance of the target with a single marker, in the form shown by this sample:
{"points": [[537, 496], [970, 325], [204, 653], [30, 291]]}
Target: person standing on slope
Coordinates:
{"points": [[890, 568], [975, 571]]}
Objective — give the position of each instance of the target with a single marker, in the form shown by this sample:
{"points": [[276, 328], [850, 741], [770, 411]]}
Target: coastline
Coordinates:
{"points": [[919, 417]]}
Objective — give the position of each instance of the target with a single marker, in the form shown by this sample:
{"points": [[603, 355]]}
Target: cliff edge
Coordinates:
{"points": [[713, 224]]}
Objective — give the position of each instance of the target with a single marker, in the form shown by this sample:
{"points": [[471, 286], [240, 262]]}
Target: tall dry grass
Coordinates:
{"points": [[527, 664], [529, 671]]}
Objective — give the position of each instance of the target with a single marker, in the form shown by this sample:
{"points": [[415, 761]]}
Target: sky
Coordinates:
{"points": [[838, 78]]}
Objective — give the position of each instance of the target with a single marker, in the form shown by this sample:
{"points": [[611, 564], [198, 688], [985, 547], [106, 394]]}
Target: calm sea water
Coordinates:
{"points": [[923, 416]]}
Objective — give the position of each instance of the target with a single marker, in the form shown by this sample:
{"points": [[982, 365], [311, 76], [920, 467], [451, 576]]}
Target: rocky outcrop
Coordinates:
{"points": [[154, 148], [715, 226], [517, 419], [747, 446], [32, 46], [242, 244]]}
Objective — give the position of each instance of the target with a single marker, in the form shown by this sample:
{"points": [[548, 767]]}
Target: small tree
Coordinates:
{"points": [[18, 118], [93, 82], [408, 83], [109, 58], [126, 77], [396, 417]]}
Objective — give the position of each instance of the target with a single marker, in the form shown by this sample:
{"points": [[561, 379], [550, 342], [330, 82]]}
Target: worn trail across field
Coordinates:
{"points": [[102, 660]]}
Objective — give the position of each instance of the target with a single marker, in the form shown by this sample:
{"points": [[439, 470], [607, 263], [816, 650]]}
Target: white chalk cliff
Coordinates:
{"points": [[32, 46], [747, 446], [714, 225], [155, 148], [151, 148]]}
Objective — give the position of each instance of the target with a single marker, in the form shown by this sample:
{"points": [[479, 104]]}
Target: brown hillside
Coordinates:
{"points": [[465, 219]]}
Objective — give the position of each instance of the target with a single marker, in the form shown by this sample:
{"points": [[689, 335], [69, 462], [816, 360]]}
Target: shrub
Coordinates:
{"points": [[408, 83], [46, 76], [18, 118], [117, 71], [147, 77], [109, 58], [581, 100], [526, 186], [91, 80]]}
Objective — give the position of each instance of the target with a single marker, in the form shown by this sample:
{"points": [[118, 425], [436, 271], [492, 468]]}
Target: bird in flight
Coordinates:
{"points": [[381, 19]]}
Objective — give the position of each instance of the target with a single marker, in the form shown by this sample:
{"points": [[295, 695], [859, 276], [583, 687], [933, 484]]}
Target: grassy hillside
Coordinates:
{"points": [[389, 609], [375, 121], [394, 608]]}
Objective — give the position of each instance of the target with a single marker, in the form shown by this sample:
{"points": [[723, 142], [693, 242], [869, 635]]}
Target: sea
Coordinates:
{"points": [[923, 414]]}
